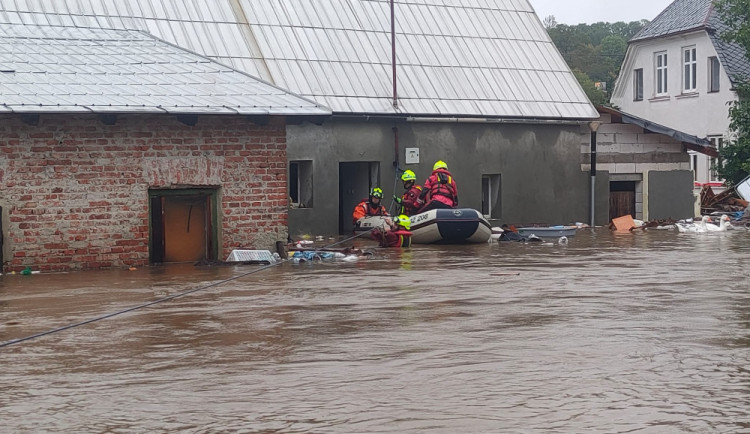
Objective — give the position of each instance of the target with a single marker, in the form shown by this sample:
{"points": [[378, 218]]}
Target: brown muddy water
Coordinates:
{"points": [[646, 332]]}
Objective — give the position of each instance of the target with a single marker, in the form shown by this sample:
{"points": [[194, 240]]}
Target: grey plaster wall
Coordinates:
{"points": [[539, 164], [670, 195]]}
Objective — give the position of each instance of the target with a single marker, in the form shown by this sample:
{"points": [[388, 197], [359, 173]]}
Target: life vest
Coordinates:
{"points": [[363, 209], [392, 238], [441, 187], [410, 201]]}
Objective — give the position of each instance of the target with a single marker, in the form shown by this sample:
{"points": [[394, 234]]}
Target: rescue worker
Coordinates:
{"points": [[398, 235], [439, 189], [409, 202], [371, 206]]}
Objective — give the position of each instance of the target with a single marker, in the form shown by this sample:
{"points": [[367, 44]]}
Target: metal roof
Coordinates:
{"points": [[71, 69], [698, 15], [485, 58], [680, 16]]}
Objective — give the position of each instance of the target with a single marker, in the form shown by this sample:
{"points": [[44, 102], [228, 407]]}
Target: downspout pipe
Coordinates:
{"points": [[593, 126]]}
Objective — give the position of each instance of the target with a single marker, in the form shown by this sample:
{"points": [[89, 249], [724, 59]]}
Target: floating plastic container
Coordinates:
{"points": [[251, 255]]}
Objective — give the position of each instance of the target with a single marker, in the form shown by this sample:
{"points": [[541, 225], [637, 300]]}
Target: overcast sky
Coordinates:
{"points": [[591, 11]]}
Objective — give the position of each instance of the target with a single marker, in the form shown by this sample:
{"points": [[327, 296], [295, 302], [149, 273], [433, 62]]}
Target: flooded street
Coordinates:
{"points": [[643, 332]]}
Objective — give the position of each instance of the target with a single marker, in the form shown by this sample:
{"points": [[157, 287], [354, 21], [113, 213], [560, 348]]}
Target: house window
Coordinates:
{"points": [[491, 196], [690, 69], [301, 184], [661, 73], [717, 142], [638, 85], [713, 74]]}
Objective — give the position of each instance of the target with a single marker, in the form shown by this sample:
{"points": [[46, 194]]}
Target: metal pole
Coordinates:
{"points": [[393, 54], [593, 176]]}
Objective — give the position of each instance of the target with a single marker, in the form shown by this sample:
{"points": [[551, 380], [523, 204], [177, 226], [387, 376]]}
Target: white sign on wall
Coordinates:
{"points": [[412, 155]]}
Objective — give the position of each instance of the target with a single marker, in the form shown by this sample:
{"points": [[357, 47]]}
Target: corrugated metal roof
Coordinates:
{"points": [[455, 57], [72, 69], [698, 15]]}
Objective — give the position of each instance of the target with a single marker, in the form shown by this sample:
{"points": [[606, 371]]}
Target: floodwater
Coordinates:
{"points": [[644, 332]]}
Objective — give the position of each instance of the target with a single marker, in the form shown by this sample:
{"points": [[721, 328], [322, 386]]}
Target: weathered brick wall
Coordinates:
{"points": [[74, 191]]}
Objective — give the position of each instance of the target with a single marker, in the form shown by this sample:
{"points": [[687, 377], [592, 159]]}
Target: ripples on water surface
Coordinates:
{"points": [[644, 332]]}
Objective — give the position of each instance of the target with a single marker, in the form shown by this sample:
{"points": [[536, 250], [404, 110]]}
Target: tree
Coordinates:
{"points": [[596, 96], [734, 156], [549, 22], [596, 50]]}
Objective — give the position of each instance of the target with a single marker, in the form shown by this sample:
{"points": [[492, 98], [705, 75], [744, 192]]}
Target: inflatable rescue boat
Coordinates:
{"points": [[450, 226]]}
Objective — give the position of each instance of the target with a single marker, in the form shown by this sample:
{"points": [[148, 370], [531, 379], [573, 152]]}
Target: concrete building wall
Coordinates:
{"points": [[538, 165], [670, 195], [75, 192]]}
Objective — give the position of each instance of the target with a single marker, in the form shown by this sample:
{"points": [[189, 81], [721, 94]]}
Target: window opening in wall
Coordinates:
{"points": [[690, 69], [661, 73], [491, 196], [718, 143], [714, 68], [301, 184], [638, 85], [182, 227]]}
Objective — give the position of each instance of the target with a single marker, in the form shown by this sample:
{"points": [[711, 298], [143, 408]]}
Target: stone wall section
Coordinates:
{"points": [[625, 148]]}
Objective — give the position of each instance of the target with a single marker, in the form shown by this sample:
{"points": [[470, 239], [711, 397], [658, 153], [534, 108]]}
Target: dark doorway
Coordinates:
{"points": [[182, 225], [355, 182], [621, 199]]}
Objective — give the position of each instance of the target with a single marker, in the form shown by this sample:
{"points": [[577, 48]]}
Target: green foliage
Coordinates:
{"points": [[595, 50], [735, 154], [736, 15], [596, 96]]}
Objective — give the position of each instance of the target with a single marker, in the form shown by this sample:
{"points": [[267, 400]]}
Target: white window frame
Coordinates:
{"points": [[718, 143], [694, 164], [661, 83], [714, 74], [689, 69]]}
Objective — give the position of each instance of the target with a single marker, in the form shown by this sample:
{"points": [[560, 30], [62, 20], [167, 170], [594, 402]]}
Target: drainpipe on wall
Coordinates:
{"points": [[593, 126]]}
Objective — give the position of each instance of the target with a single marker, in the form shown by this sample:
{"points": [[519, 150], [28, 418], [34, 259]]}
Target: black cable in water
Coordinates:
{"points": [[130, 309], [161, 300]]}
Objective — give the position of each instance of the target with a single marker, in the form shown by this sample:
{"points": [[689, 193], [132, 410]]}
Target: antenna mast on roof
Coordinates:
{"points": [[393, 54]]}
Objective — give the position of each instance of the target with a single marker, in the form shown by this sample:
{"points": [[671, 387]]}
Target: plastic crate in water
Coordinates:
{"points": [[250, 255]]}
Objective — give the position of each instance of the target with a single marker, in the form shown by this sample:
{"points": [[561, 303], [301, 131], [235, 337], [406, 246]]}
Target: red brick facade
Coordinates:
{"points": [[74, 191]]}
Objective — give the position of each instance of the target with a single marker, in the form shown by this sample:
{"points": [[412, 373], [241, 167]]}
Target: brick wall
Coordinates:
{"points": [[74, 191]]}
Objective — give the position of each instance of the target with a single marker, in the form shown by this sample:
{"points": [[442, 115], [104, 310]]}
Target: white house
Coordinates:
{"points": [[679, 73]]}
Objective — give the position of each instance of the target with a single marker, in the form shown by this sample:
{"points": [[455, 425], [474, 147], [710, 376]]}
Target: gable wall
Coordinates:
{"points": [[701, 114]]}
